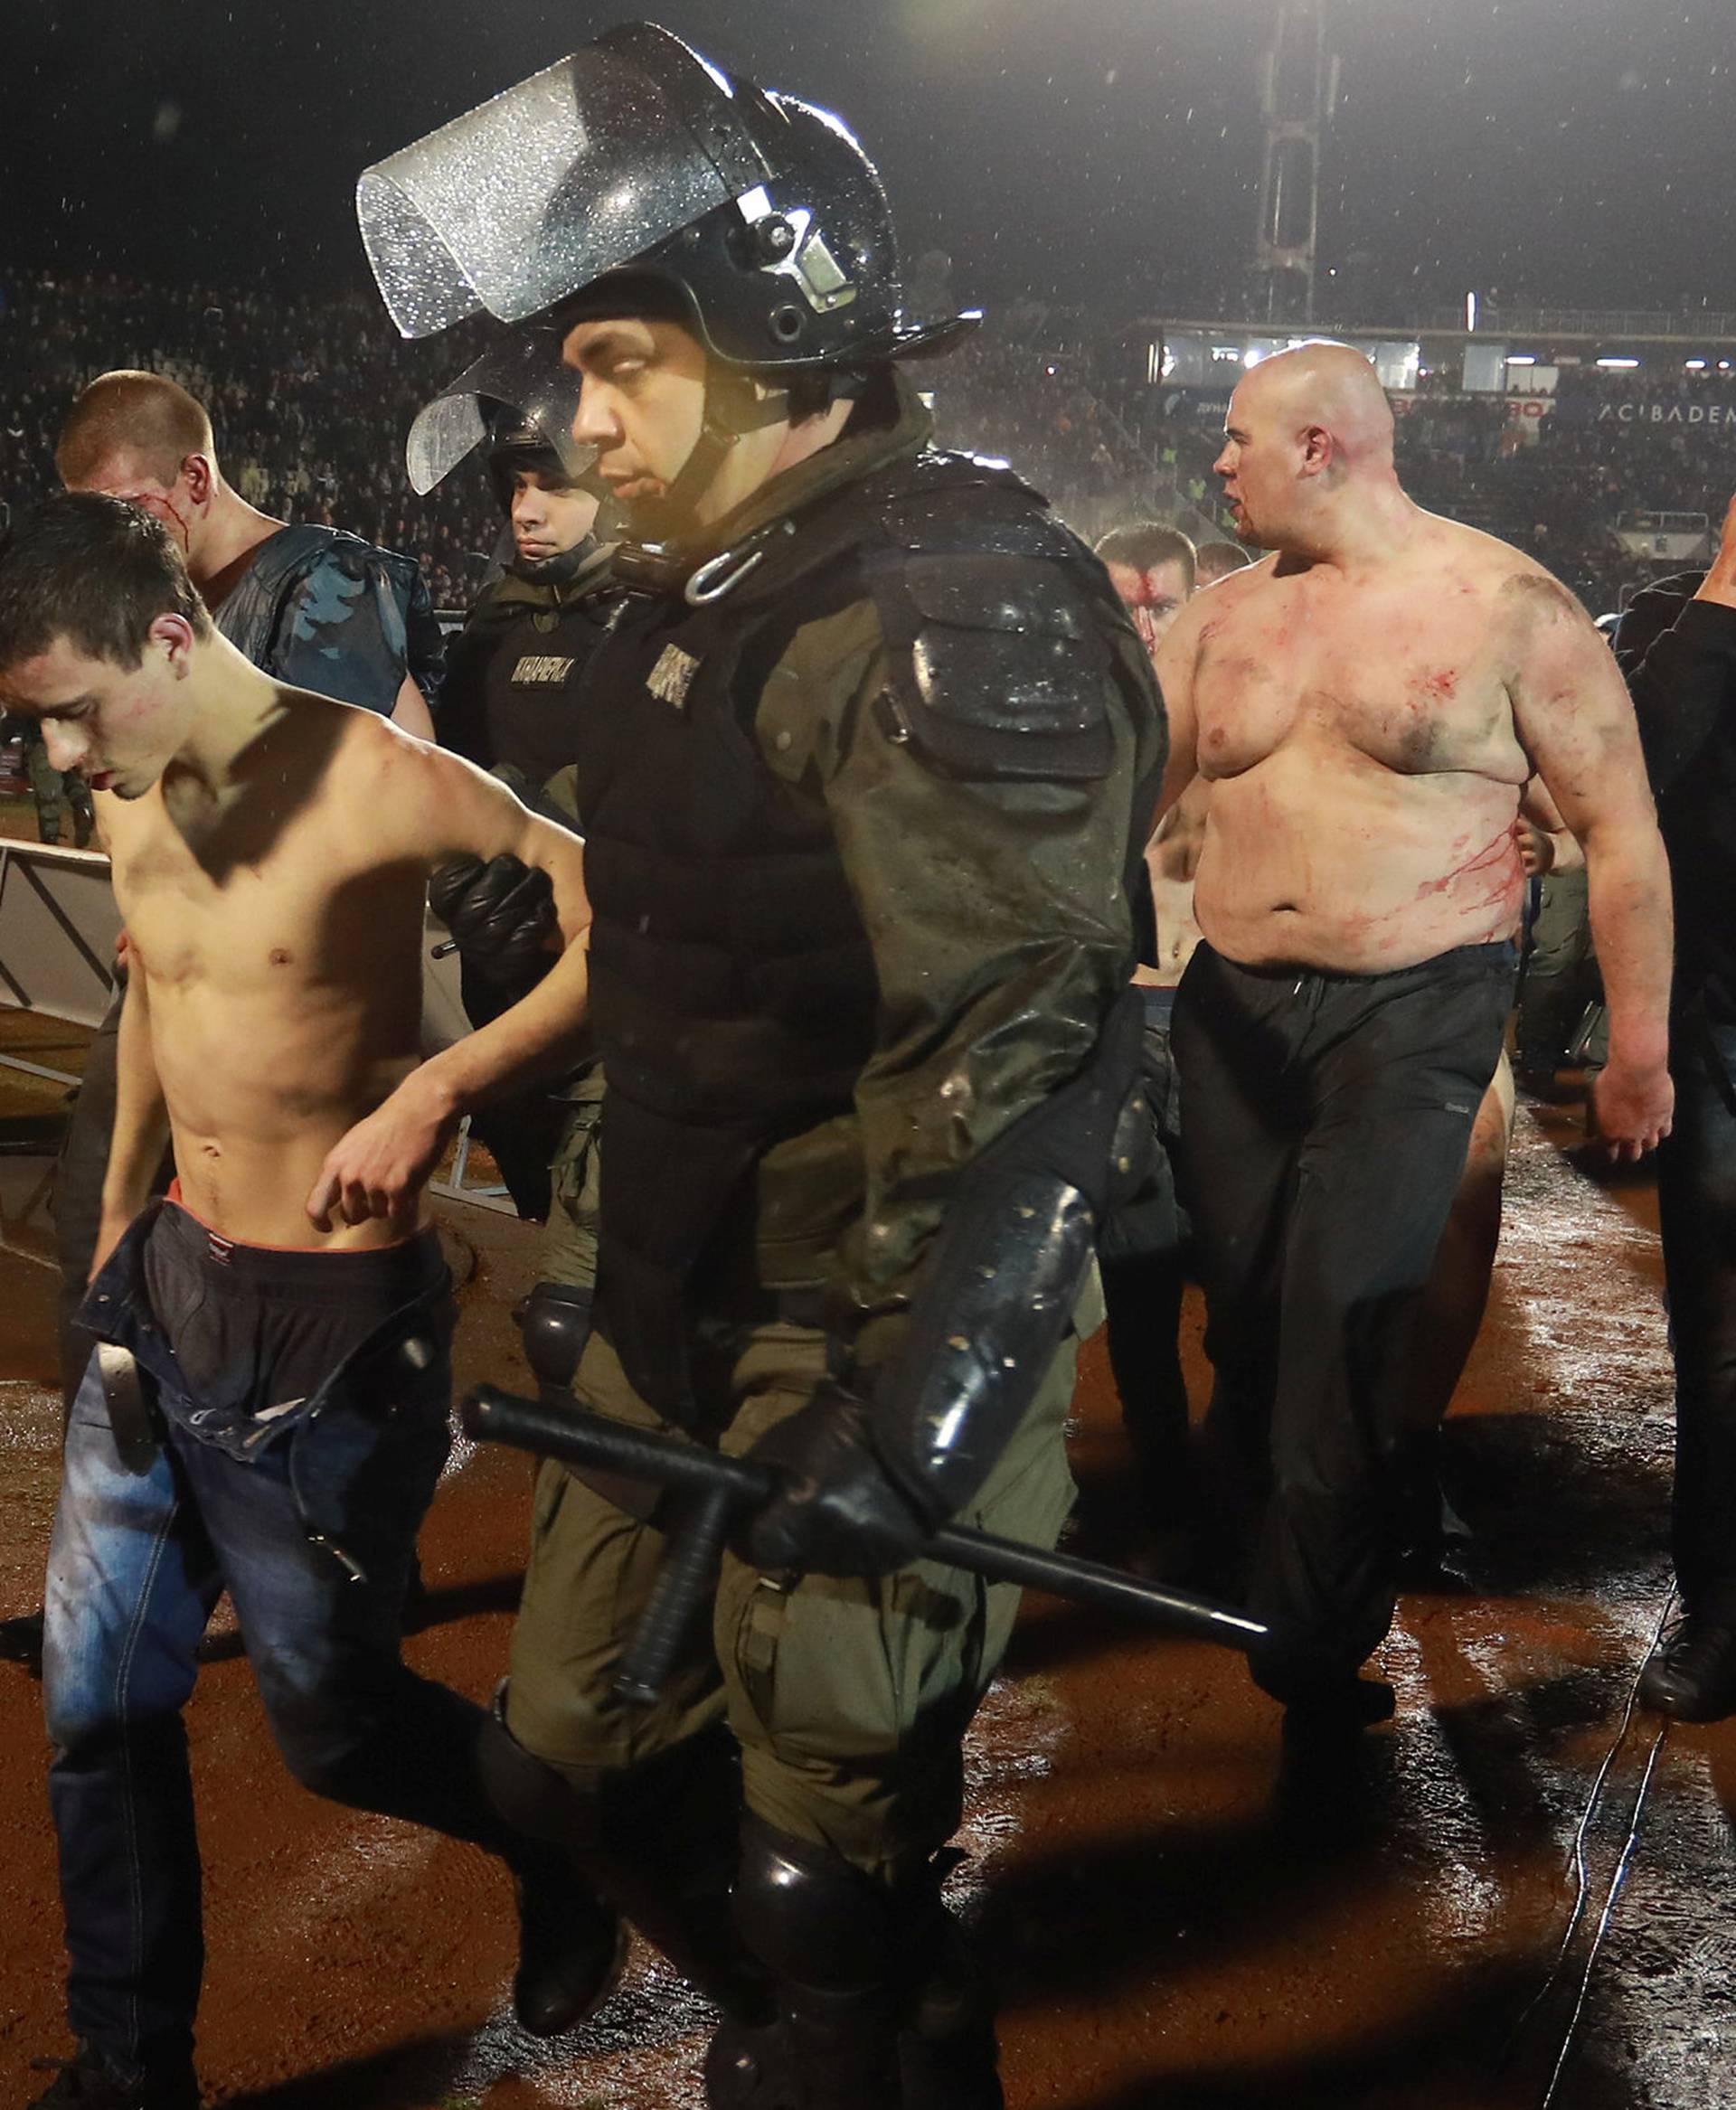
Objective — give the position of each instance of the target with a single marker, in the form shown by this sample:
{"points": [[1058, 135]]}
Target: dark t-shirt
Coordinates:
{"points": [[321, 609], [1679, 656]]}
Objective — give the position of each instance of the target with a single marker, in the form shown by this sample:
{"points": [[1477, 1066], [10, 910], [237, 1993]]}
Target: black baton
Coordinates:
{"points": [[717, 1485]]}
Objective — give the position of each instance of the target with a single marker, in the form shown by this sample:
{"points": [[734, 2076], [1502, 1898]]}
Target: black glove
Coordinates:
{"points": [[836, 1511], [502, 918]]}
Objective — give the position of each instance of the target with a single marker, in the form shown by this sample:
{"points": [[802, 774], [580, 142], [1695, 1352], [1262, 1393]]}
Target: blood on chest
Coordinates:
{"points": [[1414, 711]]}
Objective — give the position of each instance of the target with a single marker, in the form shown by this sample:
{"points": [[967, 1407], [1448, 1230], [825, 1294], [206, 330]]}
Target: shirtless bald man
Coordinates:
{"points": [[1368, 703], [286, 1306]]}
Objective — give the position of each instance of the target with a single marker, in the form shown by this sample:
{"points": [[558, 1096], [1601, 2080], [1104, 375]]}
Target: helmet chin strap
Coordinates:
{"points": [[733, 407]]}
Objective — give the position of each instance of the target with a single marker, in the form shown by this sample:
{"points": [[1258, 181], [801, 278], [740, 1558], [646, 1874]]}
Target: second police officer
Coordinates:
{"points": [[866, 771]]}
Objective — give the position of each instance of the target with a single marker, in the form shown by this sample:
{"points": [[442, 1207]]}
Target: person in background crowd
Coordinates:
{"points": [[1151, 567], [54, 792], [1677, 646]]}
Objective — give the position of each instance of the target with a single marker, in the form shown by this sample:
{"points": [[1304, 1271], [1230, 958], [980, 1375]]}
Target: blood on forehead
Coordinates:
{"points": [[1156, 589]]}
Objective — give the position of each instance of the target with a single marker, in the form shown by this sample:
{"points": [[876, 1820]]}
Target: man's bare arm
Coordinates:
{"points": [[1576, 724], [141, 1131], [440, 806]]}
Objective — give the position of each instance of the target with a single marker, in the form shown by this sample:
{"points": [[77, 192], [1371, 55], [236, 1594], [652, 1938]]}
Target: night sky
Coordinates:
{"points": [[1096, 151]]}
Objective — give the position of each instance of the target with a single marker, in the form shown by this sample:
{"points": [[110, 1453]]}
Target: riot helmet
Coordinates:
{"points": [[637, 154], [521, 372], [515, 447], [636, 176]]}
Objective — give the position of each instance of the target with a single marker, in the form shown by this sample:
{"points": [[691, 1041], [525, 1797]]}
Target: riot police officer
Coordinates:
{"points": [[514, 674], [55, 790], [511, 704], [865, 787]]}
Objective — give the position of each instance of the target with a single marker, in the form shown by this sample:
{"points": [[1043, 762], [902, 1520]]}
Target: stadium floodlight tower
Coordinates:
{"points": [[1299, 94]]}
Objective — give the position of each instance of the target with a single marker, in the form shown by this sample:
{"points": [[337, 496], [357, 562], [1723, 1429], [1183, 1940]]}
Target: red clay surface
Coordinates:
{"points": [[1181, 1918]]}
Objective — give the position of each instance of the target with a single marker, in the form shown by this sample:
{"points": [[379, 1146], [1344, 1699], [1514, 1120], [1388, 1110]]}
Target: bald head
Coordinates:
{"points": [[127, 426], [1308, 449], [1330, 386]]}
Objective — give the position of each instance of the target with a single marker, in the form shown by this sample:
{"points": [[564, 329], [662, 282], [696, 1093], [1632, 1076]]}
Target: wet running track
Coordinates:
{"points": [[1519, 1895]]}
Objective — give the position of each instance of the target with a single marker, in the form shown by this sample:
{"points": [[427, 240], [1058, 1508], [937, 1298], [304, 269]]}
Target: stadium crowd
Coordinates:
{"points": [[311, 398]]}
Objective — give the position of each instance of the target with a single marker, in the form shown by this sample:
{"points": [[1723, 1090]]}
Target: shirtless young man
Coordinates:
{"points": [[1368, 705], [288, 1306], [314, 609]]}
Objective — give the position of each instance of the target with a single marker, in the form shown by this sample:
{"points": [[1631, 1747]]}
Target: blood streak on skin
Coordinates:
{"points": [[1441, 687], [180, 522], [1498, 861]]}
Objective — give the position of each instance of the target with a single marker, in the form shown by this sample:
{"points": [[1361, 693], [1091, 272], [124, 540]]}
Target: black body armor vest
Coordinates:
{"points": [[733, 989]]}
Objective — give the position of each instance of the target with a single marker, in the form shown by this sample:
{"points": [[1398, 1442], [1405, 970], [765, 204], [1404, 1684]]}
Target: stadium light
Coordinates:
{"points": [[1619, 365], [1696, 366], [1521, 359]]}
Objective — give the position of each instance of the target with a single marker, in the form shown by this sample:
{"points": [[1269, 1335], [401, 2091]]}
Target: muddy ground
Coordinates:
{"points": [[1519, 1894]]}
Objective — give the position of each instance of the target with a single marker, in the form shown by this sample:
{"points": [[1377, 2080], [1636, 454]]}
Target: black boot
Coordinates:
{"points": [[571, 1947], [572, 1941], [1693, 1675], [949, 2059], [88, 2081], [658, 1844]]}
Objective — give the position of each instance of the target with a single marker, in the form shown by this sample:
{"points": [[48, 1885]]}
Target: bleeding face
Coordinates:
{"points": [[119, 728], [1260, 466], [181, 506], [550, 515], [1153, 598]]}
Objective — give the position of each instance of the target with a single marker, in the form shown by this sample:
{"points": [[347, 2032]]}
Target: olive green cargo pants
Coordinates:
{"points": [[569, 1251], [849, 1699]]}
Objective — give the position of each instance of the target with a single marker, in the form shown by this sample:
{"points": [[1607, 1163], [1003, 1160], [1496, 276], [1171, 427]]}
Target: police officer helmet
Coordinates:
{"points": [[635, 158], [517, 444]]}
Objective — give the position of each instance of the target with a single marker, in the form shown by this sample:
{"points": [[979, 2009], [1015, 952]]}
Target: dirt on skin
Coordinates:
{"points": [[1517, 1894]]}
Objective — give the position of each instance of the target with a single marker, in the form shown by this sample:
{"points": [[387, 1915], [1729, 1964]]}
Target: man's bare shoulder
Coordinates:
{"points": [[1235, 587], [394, 774], [1516, 584], [1207, 611]]}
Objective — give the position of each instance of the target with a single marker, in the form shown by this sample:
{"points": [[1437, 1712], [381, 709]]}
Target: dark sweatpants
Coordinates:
{"points": [[1327, 1122]]}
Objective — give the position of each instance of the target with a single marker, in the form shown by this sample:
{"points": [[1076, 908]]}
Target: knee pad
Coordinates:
{"points": [[555, 1327], [810, 1918]]}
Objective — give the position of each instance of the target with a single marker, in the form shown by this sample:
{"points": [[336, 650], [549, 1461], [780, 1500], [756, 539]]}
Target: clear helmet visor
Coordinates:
{"points": [[525, 371], [573, 173]]}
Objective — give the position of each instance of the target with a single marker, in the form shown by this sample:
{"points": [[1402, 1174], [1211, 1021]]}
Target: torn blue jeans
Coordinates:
{"points": [[308, 1519]]}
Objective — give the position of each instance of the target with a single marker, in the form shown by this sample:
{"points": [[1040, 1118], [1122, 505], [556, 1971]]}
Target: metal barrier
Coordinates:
{"points": [[57, 928]]}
